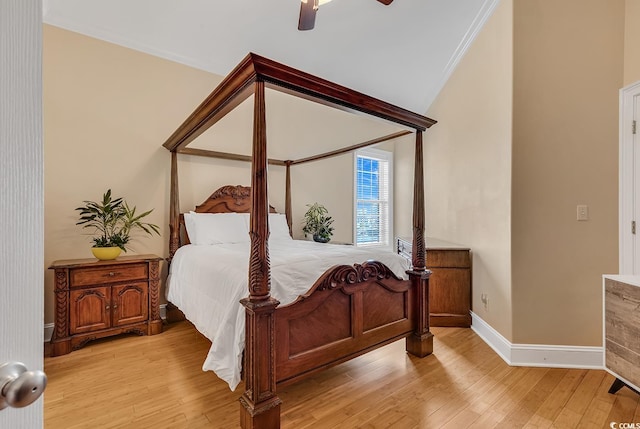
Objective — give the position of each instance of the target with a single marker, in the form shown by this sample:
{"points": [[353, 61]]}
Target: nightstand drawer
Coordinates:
{"points": [[448, 259], [110, 274]]}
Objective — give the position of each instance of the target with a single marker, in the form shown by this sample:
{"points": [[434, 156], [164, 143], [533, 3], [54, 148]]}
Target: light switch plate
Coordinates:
{"points": [[582, 212]]}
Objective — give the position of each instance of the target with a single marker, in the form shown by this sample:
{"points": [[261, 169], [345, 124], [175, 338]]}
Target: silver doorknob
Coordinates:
{"points": [[19, 387]]}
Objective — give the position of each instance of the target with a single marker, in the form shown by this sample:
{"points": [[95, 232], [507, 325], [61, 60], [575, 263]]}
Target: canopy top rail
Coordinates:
{"points": [[238, 86], [271, 161]]}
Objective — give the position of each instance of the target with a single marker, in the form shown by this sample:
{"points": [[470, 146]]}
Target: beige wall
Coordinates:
{"points": [[107, 111], [527, 130], [568, 67], [468, 165], [631, 40]]}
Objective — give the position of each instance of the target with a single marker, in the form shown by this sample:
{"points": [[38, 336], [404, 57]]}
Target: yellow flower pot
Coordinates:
{"points": [[106, 253]]}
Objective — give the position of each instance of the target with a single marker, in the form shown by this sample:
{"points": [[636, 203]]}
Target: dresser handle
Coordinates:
{"points": [[111, 274], [106, 307]]}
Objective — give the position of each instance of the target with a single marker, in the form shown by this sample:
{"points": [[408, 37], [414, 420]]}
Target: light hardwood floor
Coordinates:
{"points": [[157, 382]]}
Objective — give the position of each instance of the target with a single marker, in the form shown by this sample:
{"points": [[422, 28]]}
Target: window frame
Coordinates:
{"points": [[380, 155]]}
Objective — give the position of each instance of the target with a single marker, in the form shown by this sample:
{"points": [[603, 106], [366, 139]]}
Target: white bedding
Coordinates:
{"points": [[207, 282]]}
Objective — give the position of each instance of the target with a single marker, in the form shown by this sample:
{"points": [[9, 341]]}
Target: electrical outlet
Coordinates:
{"points": [[583, 212], [484, 298]]}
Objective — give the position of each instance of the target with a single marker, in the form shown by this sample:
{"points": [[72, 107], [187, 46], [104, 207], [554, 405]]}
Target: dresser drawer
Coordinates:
{"points": [[110, 274], [622, 329]]}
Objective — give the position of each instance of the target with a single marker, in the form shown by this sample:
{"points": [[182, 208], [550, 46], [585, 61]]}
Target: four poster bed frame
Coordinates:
{"points": [[350, 310]]}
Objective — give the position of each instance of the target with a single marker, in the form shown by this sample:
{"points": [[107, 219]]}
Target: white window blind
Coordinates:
{"points": [[373, 197]]}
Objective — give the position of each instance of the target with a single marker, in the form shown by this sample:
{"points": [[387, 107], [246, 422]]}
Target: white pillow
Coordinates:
{"points": [[278, 228], [190, 225], [216, 228]]}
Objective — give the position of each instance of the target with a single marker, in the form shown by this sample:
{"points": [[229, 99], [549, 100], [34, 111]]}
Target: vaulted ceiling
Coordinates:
{"points": [[402, 53]]}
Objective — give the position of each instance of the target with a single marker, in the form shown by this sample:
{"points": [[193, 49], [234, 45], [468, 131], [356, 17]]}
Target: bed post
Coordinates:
{"points": [[287, 198], [420, 342], [174, 208], [259, 404]]}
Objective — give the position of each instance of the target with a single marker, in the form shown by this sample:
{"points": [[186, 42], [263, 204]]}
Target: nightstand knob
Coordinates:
{"points": [[106, 307], [111, 274], [19, 387]]}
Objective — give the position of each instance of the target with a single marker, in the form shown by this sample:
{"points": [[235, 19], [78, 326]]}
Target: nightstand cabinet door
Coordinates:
{"points": [[130, 303], [450, 293], [90, 310]]}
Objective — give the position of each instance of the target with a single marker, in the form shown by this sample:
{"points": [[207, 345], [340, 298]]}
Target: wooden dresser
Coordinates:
{"points": [[622, 330], [96, 299], [450, 281]]}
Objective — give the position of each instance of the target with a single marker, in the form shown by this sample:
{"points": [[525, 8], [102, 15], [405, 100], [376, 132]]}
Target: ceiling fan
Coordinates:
{"points": [[308, 10]]}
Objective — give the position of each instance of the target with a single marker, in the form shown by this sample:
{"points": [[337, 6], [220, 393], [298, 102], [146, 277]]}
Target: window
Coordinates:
{"points": [[373, 199]]}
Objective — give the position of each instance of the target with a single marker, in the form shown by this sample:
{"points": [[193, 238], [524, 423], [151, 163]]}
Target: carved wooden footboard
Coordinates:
{"points": [[347, 312]]}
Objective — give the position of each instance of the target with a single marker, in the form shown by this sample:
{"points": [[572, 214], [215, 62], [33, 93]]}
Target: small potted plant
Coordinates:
{"points": [[114, 221], [317, 222]]}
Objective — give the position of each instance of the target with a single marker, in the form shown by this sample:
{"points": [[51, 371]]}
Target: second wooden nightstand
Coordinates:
{"points": [[96, 299], [450, 281]]}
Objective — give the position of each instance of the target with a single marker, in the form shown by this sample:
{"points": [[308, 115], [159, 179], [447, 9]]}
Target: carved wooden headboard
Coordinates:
{"points": [[227, 199]]}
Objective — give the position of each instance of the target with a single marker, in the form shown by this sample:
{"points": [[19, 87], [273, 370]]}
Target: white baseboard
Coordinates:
{"points": [[514, 354], [538, 355], [48, 327]]}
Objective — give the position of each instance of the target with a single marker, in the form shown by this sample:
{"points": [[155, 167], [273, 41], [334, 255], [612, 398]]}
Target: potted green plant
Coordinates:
{"points": [[317, 222], [113, 220]]}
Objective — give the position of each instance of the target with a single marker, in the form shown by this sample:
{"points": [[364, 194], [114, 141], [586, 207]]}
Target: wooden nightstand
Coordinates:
{"points": [[449, 283], [96, 299]]}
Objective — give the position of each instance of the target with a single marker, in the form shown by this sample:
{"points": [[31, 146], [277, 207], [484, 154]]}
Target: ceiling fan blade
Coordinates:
{"points": [[385, 2], [307, 15]]}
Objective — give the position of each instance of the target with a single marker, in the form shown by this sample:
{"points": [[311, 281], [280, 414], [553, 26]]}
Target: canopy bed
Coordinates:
{"points": [[348, 310]]}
